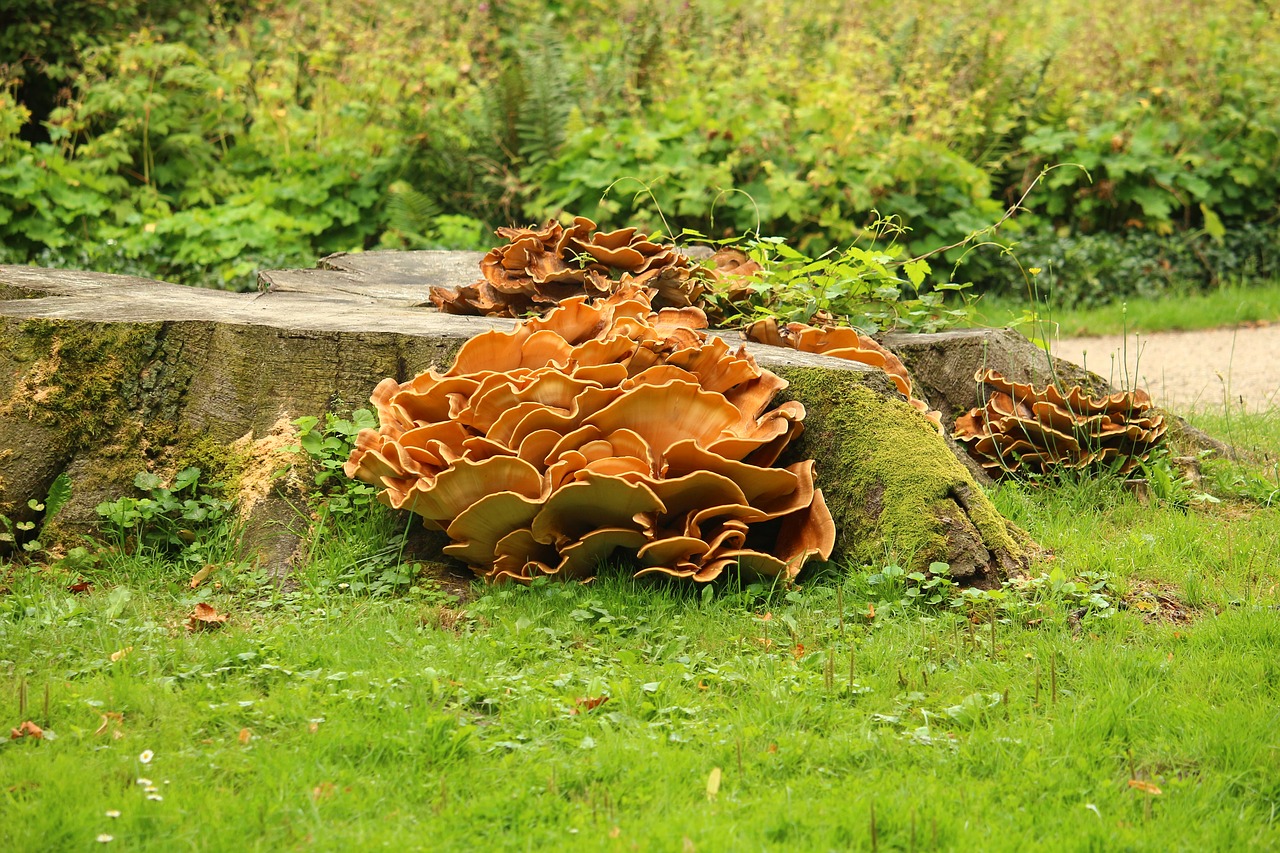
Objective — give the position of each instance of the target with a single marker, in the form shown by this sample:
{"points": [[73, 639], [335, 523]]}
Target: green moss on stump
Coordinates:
{"points": [[895, 489], [80, 374]]}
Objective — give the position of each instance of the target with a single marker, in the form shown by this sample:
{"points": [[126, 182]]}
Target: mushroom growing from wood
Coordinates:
{"points": [[1032, 430], [539, 267], [603, 427], [842, 342]]}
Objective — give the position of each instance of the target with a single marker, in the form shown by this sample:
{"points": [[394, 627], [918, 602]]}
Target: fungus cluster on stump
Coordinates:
{"points": [[841, 342], [538, 268], [1025, 429], [604, 426]]}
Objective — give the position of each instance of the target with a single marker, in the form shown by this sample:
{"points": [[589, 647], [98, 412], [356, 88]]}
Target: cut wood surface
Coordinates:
{"points": [[104, 376]]}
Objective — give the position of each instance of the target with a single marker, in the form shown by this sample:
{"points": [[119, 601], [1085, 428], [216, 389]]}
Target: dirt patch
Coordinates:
{"points": [[1188, 370], [459, 583]]}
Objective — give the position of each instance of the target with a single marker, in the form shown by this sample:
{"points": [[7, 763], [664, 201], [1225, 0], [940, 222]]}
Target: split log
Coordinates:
{"points": [[105, 376]]}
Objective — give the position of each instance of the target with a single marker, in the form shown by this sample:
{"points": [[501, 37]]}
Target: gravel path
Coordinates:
{"points": [[1189, 370]]}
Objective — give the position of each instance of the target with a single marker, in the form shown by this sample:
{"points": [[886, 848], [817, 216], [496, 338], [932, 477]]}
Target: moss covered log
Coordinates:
{"points": [[895, 489]]}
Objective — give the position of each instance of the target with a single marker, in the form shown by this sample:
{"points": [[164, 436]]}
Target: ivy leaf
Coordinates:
{"points": [[312, 442], [916, 271], [116, 602], [185, 477], [1212, 224], [146, 481]]}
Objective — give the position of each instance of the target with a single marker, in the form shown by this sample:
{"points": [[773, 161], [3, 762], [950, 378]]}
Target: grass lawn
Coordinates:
{"points": [[1125, 696], [1225, 306]]}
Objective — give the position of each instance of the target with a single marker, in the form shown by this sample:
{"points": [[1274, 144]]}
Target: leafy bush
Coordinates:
{"points": [[1093, 269], [184, 519], [201, 141], [360, 540], [874, 289]]}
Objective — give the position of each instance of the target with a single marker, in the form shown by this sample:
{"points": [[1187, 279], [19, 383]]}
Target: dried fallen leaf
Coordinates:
{"points": [[202, 575], [713, 783], [115, 656], [245, 737], [27, 729], [204, 618], [1145, 786], [107, 719], [583, 703]]}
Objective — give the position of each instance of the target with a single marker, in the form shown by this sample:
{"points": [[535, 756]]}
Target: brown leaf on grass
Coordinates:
{"points": [[205, 618], [202, 575], [1146, 787], [583, 704], [27, 729]]}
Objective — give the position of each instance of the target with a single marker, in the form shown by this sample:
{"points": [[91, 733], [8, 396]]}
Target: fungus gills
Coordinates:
{"points": [[602, 427], [1025, 429]]}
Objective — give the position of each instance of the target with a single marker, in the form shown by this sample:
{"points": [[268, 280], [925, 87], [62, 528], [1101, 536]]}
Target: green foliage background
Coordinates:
{"points": [[201, 141]]}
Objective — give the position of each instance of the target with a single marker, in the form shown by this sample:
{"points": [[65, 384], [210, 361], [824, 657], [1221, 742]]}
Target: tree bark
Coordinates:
{"points": [[105, 376]]}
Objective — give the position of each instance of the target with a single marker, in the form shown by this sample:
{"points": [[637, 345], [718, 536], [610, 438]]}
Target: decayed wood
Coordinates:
{"points": [[103, 376]]}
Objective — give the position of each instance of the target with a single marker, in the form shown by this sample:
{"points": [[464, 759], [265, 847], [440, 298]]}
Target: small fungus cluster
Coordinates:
{"points": [[841, 342], [538, 268], [603, 427], [1025, 429]]}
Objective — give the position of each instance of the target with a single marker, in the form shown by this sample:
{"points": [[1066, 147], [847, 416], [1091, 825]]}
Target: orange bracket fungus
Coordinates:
{"points": [[538, 268], [842, 342], [1026, 429], [603, 427]]}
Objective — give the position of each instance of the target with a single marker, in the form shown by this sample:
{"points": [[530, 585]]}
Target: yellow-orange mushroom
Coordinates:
{"points": [[602, 428], [1022, 428]]}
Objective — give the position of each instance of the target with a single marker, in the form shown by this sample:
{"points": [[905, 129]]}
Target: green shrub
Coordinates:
{"points": [[200, 141], [1084, 270]]}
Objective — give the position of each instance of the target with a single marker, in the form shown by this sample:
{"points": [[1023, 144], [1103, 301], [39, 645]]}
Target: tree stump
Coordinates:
{"points": [[104, 376]]}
